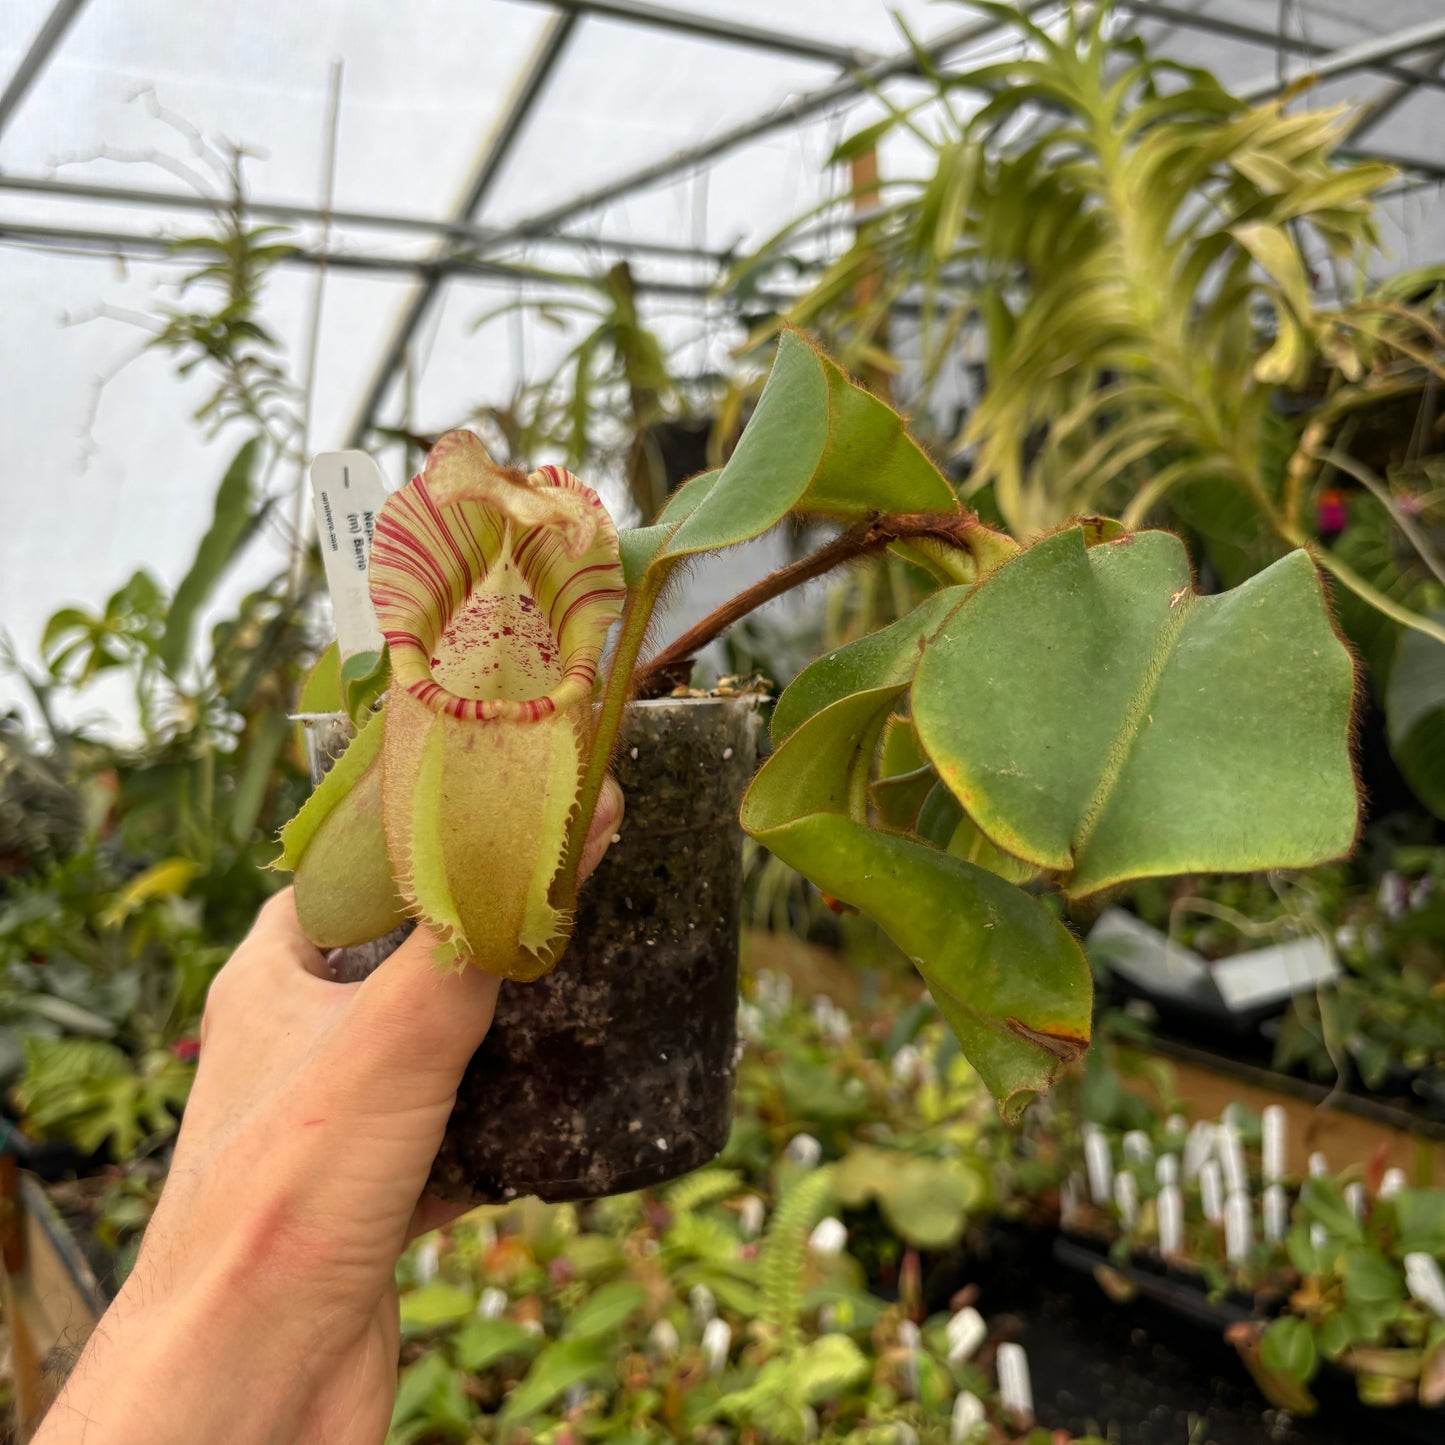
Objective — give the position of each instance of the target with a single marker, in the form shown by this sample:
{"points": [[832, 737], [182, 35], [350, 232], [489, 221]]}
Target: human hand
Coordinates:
{"points": [[262, 1306]]}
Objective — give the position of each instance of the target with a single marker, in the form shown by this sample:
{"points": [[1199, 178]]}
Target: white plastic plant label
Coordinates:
{"points": [[1166, 1169], [1126, 1199], [1276, 1213], [1319, 1166], [968, 1416], [1238, 1228], [1015, 1388], [966, 1331], [1099, 1163], [347, 491], [804, 1150], [751, 1214], [1197, 1148], [1231, 1158], [1071, 1196], [425, 1261], [828, 1237], [1275, 1131], [1211, 1191], [910, 1341], [702, 1306], [1171, 1221], [1425, 1282], [1137, 1148], [717, 1339], [1271, 975]]}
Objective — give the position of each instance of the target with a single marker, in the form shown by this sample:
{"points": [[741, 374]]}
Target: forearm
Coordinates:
{"points": [[186, 1368]]}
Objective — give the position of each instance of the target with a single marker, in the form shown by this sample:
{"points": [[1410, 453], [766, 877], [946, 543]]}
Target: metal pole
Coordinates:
{"points": [[141, 247], [1392, 96], [1204, 23], [1364, 56], [708, 27], [365, 220], [548, 52], [793, 112], [38, 56]]}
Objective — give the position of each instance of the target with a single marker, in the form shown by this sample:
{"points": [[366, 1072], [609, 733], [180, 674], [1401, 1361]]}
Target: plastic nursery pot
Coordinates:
{"points": [[615, 1071]]}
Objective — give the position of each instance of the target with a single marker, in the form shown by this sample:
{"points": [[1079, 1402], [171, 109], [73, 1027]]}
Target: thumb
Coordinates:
{"points": [[426, 1016], [605, 823], [431, 1017]]}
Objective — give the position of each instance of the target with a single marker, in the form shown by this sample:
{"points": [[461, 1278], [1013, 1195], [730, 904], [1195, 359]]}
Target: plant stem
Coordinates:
{"points": [[616, 691], [955, 529]]}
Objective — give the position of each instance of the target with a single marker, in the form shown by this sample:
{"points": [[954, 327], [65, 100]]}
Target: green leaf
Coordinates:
{"points": [[363, 678], [321, 691], [826, 1367], [1278, 255], [232, 525], [971, 844], [435, 1304], [862, 141], [1370, 1279], [560, 1366], [688, 497], [266, 740], [431, 1392], [1323, 1202], [925, 1200], [1097, 717], [336, 847], [639, 547], [1420, 1219], [1334, 1336], [816, 445], [905, 776], [1008, 976], [1288, 1345], [1415, 714], [485, 1342], [880, 659], [605, 1312]]}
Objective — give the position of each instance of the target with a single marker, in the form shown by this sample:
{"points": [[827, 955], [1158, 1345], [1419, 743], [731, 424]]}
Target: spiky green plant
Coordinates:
{"points": [[1141, 250]]}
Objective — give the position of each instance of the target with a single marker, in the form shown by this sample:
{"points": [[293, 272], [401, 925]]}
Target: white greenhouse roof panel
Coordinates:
{"points": [[435, 108], [417, 93]]}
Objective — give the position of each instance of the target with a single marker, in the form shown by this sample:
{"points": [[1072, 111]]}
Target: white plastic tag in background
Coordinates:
{"points": [[1126, 1198], [1276, 1213], [1098, 1162], [1016, 1392], [1425, 1282], [1275, 1143], [1171, 1220], [1231, 1158], [1211, 1191], [348, 491], [1238, 1229], [1271, 975]]}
